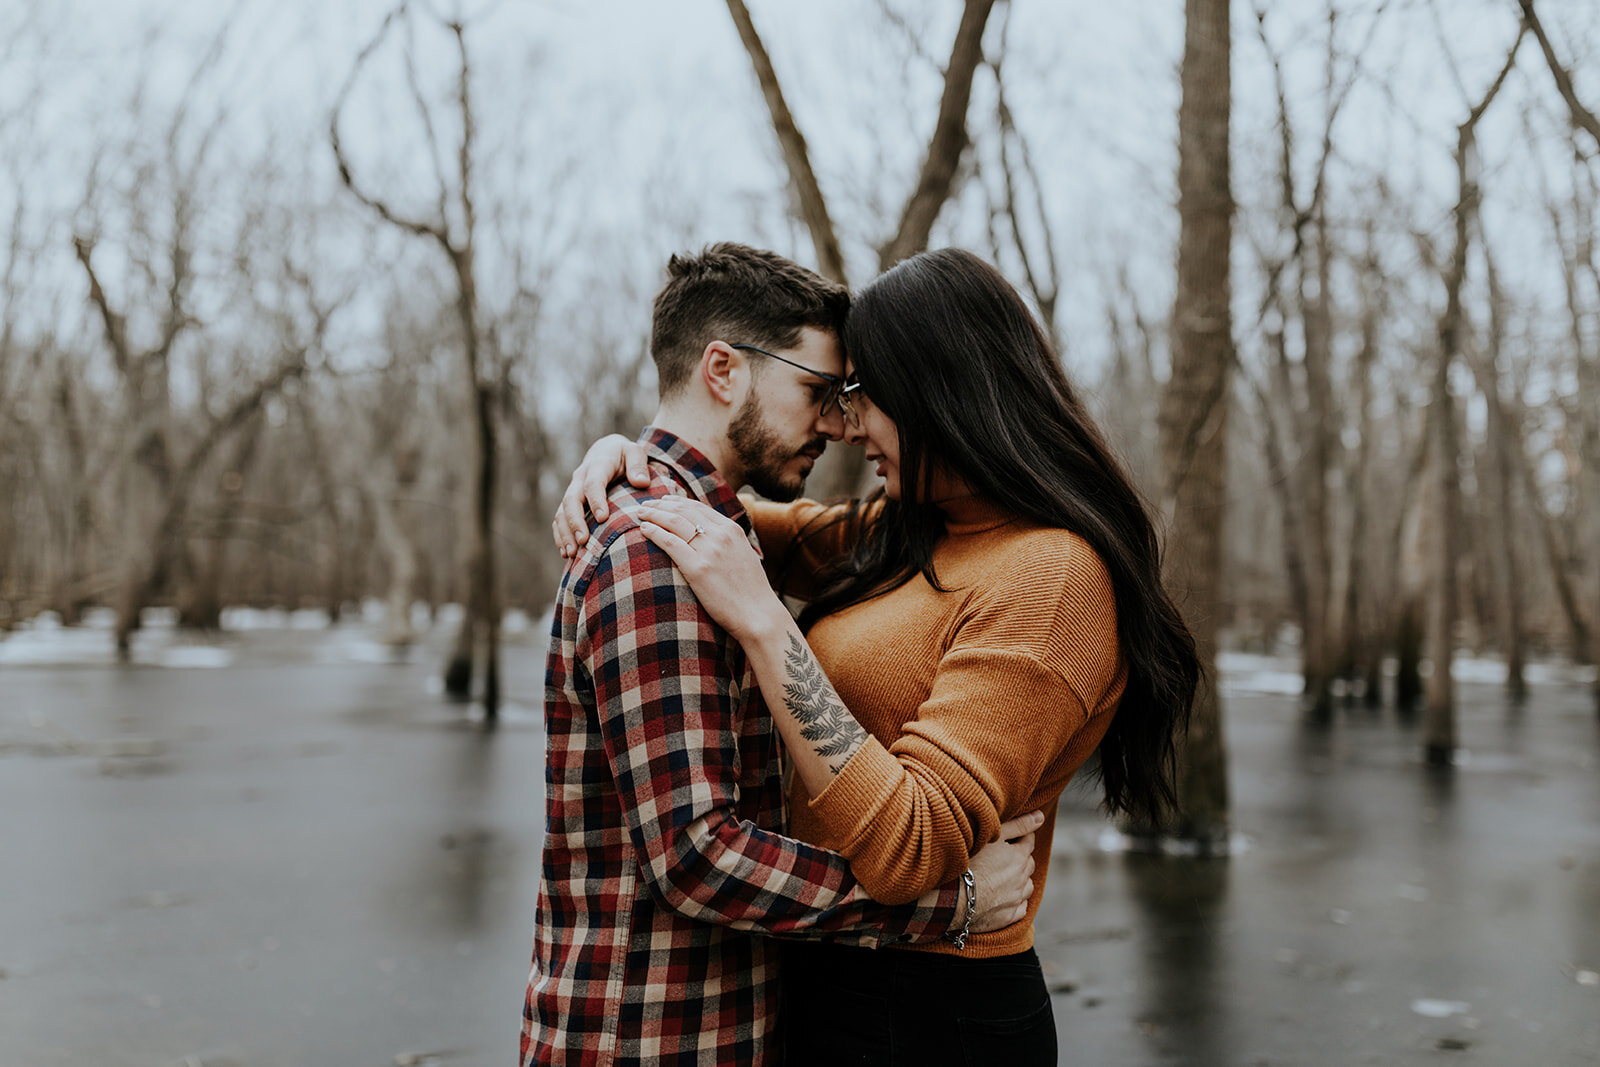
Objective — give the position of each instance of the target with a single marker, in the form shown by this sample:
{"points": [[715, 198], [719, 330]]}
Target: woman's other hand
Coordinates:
{"points": [[1003, 870], [608, 458], [722, 568]]}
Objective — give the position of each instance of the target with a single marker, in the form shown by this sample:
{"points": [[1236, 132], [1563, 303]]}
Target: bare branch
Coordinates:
{"points": [[1582, 117], [948, 142], [813, 208], [909, 32], [116, 326], [437, 231], [1043, 278], [425, 113]]}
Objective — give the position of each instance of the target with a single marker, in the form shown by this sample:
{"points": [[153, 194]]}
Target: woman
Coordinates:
{"points": [[972, 634]]}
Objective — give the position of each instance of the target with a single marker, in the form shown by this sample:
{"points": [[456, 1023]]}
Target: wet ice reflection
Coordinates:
{"points": [[303, 857]]}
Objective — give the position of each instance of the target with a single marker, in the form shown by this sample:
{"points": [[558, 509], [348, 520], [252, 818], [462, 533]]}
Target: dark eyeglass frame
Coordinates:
{"points": [[837, 386]]}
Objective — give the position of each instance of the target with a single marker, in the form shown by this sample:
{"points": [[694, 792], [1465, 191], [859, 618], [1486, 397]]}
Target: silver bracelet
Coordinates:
{"points": [[970, 885]]}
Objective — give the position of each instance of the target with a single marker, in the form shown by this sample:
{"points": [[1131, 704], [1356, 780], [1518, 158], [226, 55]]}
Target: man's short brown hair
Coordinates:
{"points": [[742, 295]]}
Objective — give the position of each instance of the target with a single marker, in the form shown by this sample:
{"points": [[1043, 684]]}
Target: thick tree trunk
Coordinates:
{"points": [[1194, 413], [1320, 435]]}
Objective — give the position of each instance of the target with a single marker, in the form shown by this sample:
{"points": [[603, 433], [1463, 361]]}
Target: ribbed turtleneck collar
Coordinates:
{"points": [[973, 514]]}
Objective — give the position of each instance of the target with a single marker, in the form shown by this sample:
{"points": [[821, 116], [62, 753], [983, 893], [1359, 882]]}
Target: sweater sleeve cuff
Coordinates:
{"points": [[856, 795]]}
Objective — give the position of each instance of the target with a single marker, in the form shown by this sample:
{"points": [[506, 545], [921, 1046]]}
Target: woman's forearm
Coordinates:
{"points": [[818, 730]]}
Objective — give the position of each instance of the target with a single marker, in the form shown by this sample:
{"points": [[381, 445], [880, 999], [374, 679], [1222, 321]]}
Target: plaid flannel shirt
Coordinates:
{"points": [[664, 862]]}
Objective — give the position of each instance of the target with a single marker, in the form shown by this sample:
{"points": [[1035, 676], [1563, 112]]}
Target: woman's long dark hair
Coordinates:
{"points": [[945, 346]]}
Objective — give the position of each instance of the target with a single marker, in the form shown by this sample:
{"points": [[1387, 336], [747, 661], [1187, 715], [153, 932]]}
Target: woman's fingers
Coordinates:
{"points": [[1026, 823], [680, 525], [693, 510], [676, 548], [683, 517]]}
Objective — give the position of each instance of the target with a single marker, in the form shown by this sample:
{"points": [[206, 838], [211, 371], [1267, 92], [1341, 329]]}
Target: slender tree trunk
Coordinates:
{"points": [[480, 625], [1439, 718], [1439, 726], [402, 557], [1284, 483], [1357, 649], [1412, 549], [1194, 415], [1502, 478]]}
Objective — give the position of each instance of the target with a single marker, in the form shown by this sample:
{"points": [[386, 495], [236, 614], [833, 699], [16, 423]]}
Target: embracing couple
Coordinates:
{"points": [[823, 840]]}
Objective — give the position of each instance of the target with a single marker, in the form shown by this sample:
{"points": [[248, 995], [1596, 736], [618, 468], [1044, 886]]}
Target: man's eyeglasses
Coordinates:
{"points": [[837, 387]]}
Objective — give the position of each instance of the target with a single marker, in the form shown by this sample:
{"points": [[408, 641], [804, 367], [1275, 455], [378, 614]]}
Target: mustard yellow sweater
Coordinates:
{"points": [[981, 702]]}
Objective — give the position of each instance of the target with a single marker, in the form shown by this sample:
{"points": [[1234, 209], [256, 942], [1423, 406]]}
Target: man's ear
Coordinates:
{"points": [[722, 367]]}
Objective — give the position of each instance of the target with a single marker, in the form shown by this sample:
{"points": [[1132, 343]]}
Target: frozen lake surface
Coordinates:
{"points": [[278, 848]]}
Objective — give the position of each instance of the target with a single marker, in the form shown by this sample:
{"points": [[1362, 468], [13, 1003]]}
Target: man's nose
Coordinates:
{"points": [[832, 424]]}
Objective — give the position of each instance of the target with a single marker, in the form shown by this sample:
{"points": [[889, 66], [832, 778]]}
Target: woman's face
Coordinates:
{"points": [[877, 433]]}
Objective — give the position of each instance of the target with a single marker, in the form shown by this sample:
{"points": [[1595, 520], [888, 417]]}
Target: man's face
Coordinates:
{"points": [[778, 433]]}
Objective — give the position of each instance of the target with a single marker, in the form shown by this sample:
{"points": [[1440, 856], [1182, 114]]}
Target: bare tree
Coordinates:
{"points": [[1194, 410], [158, 464], [1304, 389], [1586, 121], [796, 156], [1439, 720], [838, 473], [453, 228]]}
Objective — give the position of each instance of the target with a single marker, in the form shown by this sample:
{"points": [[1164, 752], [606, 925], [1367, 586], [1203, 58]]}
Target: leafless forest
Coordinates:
{"points": [[345, 348]]}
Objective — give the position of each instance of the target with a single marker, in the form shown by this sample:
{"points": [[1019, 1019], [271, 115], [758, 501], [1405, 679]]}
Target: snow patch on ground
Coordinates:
{"points": [[92, 646], [241, 620], [1247, 672]]}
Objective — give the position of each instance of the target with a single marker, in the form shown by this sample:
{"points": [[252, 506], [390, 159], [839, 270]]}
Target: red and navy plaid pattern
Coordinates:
{"points": [[665, 871]]}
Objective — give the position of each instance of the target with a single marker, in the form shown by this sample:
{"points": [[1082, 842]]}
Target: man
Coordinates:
{"points": [[663, 857]]}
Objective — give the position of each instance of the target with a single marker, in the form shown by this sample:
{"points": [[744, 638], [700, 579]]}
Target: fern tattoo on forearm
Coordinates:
{"points": [[823, 720]]}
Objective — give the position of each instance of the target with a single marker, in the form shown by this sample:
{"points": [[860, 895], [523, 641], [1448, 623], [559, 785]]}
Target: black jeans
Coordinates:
{"points": [[894, 1008]]}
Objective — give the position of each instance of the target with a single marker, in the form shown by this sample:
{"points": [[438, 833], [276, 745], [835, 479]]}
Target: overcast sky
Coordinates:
{"points": [[641, 122]]}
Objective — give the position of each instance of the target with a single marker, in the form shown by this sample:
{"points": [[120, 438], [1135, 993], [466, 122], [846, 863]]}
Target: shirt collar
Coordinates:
{"points": [[697, 472]]}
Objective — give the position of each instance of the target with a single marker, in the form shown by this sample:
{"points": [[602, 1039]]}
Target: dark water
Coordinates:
{"points": [[286, 862]]}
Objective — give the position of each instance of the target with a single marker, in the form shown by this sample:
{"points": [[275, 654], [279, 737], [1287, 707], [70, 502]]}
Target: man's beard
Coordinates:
{"points": [[763, 456]]}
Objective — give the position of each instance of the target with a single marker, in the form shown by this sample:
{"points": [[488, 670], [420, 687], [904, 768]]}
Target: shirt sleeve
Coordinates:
{"points": [[800, 540], [665, 697], [1034, 668]]}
